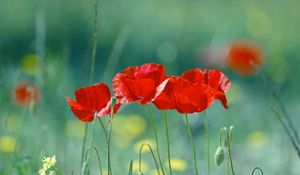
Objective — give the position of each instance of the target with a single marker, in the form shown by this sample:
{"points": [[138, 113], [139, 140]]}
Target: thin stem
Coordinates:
{"points": [[108, 143], [94, 49], [192, 141], [279, 118], [228, 165], [257, 168], [130, 168], [107, 137], [153, 156], [287, 118], [207, 141], [168, 142], [84, 145], [97, 154], [229, 152], [103, 127], [156, 138]]}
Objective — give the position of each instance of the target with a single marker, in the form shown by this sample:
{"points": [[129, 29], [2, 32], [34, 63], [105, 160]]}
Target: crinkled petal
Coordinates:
{"points": [[138, 83], [213, 78]]}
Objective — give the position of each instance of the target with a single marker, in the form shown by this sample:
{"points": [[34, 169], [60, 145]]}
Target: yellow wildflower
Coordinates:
{"points": [[48, 162]]}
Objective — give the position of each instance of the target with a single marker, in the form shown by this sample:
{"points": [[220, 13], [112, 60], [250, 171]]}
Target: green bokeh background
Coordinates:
{"points": [[133, 32]]}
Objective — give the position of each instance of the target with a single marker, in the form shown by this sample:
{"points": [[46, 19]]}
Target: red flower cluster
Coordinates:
{"points": [[194, 91]]}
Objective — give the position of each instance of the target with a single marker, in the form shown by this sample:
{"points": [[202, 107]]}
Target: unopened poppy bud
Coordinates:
{"points": [[113, 101], [219, 156]]}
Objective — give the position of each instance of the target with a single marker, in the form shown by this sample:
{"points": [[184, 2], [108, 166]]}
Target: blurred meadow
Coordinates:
{"points": [[49, 44]]}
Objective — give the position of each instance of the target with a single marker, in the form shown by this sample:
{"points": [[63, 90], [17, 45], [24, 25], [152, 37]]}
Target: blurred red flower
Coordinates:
{"points": [[90, 100], [244, 58], [27, 93], [183, 95], [219, 83], [138, 83]]}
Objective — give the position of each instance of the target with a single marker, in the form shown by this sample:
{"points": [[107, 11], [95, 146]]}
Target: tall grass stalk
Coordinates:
{"points": [[93, 60], [286, 121]]}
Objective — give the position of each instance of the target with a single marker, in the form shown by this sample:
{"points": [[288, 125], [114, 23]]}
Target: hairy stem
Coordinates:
{"points": [[156, 138], [192, 142]]}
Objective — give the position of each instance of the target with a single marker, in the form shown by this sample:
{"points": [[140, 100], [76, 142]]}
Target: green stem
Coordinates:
{"points": [[156, 138], [229, 152], [153, 156], [192, 141], [107, 137], [207, 141], [108, 144], [168, 142], [288, 122], [97, 154], [130, 168], [279, 118], [257, 168]]}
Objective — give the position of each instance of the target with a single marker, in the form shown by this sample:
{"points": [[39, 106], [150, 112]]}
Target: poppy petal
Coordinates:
{"points": [[182, 95], [213, 78], [138, 83], [94, 97], [81, 112]]}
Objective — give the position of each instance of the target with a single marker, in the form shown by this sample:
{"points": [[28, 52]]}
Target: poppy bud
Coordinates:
{"points": [[113, 101], [219, 155]]}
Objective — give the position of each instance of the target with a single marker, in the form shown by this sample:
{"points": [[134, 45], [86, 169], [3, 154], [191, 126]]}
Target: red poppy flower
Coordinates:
{"points": [[26, 93], [213, 78], [138, 83], [183, 95], [244, 58], [90, 100]]}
